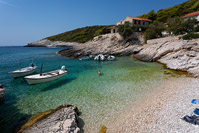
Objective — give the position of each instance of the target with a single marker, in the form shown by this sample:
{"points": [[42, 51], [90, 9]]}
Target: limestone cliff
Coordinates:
{"points": [[174, 52], [105, 44]]}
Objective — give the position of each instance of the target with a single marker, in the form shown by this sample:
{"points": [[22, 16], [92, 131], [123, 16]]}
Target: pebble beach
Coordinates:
{"points": [[161, 110]]}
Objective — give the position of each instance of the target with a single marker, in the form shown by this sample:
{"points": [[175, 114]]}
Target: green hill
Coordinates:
{"points": [[178, 10], [80, 35]]}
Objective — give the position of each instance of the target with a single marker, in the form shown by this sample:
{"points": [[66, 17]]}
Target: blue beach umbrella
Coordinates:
{"points": [[195, 101]]}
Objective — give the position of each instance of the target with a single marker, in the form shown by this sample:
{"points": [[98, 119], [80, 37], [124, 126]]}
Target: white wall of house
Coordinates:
{"points": [[114, 30], [197, 18]]}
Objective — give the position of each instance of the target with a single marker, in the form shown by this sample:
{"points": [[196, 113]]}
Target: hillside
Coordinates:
{"points": [[178, 10], [80, 35]]}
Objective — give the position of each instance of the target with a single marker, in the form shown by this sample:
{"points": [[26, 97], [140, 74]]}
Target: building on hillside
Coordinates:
{"points": [[192, 15], [134, 20]]}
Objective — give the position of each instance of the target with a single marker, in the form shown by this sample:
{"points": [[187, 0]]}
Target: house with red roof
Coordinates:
{"points": [[192, 15], [134, 20]]}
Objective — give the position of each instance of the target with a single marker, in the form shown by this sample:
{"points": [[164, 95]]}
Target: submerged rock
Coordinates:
{"points": [[63, 119]]}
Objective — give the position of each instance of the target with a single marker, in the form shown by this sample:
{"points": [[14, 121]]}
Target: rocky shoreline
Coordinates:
{"points": [[46, 43], [109, 44], [62, 119], [173, 52]]}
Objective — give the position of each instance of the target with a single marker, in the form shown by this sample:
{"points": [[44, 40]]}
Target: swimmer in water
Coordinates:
{"points": [[99, 73]]}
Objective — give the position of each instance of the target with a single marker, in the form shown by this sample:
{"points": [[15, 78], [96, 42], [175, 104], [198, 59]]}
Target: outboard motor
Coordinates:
{"points": [[63, 68]]}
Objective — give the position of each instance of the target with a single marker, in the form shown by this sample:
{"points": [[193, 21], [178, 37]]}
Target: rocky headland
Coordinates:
{"points": [[63, 119], [109, 44], [46, 43], [174, 52]]}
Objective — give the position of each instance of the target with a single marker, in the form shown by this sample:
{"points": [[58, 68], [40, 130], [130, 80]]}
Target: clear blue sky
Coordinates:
{"points": [[23, 21]]}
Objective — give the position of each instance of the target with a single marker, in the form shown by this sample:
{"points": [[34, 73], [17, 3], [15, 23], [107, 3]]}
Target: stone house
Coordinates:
{"points": [[134, 20]]}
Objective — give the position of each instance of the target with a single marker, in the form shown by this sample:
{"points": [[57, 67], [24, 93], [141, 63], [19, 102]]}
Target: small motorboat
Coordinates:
{"points": [[51, 46], [24, 71], [99, 57], [111, 58], [46, 77], [86, 57]]}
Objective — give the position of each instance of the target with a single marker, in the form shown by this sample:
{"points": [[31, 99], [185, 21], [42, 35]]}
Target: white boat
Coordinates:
{"points": [[111, 58], [99, 57], [24, 71], [46, 77], [51, 46], [86, 57]]}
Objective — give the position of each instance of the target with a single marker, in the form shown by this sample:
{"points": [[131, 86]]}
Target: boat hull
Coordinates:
{"points": [[32, 81], [22, 73]]}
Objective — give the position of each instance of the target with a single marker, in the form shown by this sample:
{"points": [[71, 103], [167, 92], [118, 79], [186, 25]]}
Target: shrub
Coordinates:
{"points": [[154, 30], [126, 29], [190, 36], [80, 35], [179, 26], [196, 29]]}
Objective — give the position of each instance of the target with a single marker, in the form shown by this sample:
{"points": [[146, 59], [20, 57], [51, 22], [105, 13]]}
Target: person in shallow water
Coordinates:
{"points": [[99, 73]]}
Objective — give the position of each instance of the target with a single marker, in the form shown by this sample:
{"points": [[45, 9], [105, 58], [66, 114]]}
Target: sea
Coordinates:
{"points": [[99, 99]]}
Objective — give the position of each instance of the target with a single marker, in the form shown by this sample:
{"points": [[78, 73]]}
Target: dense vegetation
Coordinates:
{"points": [[127, 29], [154, 30], [172, 16], [80, 35], [179, 10], [175, 26]]}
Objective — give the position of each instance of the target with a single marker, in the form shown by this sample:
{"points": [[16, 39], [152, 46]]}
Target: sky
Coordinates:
{"points": [[24, 21]]}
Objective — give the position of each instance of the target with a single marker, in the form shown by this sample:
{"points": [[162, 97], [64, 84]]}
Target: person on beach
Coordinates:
{"points": [[99, 73]]}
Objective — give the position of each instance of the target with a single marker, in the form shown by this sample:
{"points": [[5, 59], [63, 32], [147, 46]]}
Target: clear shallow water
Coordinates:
{"points": [[99, 98]]}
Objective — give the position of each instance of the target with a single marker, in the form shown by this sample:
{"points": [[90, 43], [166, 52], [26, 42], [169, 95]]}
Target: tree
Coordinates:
{"points": [[155, 30], [151, 15], [179, 26], [126, 29]]}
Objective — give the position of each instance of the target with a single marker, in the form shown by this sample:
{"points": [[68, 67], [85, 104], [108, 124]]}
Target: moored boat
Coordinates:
{"points": [[46, 77], [86, 57], [24, 71], [99, 57], [51, 46], [111, 58]]}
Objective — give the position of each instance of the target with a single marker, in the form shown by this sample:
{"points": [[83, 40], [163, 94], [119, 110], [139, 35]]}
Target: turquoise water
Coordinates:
{"points": [[99, 98]]}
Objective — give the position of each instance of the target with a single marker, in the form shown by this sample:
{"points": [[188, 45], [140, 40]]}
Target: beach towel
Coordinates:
{"points": [[193, 119]]}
